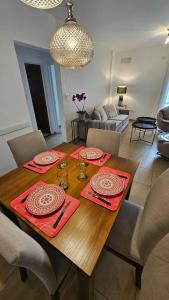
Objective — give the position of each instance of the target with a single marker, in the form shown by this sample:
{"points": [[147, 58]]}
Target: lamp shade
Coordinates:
{"points": [[71, 46], [121, 90], [167, 40], [42, 4]]}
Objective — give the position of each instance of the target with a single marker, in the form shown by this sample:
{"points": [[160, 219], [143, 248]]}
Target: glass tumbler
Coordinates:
{"points": [[63, 179], [82, 166]]}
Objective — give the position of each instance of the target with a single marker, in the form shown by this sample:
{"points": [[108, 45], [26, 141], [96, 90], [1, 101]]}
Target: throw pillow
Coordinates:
{"points": [[111, 111], [102, 113], [96, 114]]}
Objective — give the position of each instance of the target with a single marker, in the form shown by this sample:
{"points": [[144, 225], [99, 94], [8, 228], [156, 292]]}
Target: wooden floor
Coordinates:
{"points": [[114, 278]]}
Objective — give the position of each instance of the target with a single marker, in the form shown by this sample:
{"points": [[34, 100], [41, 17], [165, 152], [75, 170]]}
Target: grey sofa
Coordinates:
{"points": [[104, 117]]}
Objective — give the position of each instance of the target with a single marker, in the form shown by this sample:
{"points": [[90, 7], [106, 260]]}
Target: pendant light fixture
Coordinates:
{"points": [[71, 46], [42, 4], [167, 39]]}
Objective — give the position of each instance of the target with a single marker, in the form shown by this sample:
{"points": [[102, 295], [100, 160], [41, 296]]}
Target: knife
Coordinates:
{"points": [[122, 176], [61, 214], [104, 155], [99, 198], [34, 166]]}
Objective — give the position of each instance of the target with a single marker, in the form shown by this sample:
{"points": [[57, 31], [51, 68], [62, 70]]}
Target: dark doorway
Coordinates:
{"points": [[35, 81]]}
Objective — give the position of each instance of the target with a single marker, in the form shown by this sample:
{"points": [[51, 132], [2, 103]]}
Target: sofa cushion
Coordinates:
{"points": [[102, 113], [111, 111], [122, 118], [96, 115]]}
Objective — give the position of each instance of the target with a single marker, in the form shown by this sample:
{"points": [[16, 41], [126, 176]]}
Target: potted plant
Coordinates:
{"points": [[79, 101]]}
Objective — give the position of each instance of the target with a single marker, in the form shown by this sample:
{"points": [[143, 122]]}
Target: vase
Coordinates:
{"points": [[81, 115]]}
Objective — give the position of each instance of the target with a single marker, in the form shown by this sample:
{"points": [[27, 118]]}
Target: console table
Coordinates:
{"points": [[79, 129]]}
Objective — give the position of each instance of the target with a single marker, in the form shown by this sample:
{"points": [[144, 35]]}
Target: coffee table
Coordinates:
{"points": [[144, 124]]}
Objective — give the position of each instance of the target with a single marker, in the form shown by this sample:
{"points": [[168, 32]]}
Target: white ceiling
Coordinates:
{"points": [[121, 23]]}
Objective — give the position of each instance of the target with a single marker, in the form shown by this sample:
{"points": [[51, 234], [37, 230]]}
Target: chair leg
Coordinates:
{"points": [[138, 274], [56, 296], [23, 274]]}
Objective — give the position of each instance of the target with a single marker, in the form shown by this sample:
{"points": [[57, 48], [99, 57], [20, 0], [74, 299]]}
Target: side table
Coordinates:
{"points": [[143, 127], [79, 129], [125, 111]]}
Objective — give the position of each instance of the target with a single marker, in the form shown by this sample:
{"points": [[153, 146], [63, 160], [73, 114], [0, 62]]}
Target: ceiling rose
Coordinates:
{"points": [[42, 4], [71, 46]]}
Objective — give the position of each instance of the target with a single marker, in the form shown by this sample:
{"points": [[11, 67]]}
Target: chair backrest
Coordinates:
{"points": [[153, 225], [19, 249], [106, 140], [26, 146]]}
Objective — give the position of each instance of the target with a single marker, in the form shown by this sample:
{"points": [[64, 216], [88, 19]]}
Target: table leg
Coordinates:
{"points": [[144, 134], [131, 134], [86, 286], [72, 125]]}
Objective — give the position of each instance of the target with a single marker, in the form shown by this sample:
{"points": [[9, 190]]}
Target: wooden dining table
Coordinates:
{"points": [[83, 237]]}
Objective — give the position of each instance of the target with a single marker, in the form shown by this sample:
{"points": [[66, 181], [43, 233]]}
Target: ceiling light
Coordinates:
{"points": [[167, 39], [42, 4], [71, 46]]}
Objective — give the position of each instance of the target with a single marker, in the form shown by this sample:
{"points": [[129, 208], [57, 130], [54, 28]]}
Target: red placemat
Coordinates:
{"points": [[43, 169], [45, 223], [114, 200], [97, 162]]}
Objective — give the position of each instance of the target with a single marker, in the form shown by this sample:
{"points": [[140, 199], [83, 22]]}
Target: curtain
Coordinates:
{"points": [[165, 91], [163, 95]]}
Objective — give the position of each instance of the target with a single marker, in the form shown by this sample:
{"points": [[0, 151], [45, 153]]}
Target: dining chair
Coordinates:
{"points": [[106, 140], [21, 250], [137, 230], [26, 146]]}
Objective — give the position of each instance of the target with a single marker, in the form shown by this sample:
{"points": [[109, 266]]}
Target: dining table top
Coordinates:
{"points": [[83, 237]]}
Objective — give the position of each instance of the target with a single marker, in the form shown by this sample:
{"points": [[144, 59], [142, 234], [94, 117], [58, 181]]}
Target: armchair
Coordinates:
{"points": [[163, 119]]}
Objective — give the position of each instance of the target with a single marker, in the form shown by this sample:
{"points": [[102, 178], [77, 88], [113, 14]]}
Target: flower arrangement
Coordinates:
{"points": [[77, 99]]}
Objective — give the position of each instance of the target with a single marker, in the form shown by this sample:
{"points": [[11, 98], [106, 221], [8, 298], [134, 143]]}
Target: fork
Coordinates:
{"points": [[25, 198]]}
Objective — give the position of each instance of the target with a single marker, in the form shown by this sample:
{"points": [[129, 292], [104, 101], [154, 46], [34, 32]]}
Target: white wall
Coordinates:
{"points": [[143, 76], [94, 80], [20, 23]]}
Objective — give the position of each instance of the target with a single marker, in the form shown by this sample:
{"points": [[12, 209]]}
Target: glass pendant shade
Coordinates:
{"points": [[42, 4], [71, 46]]}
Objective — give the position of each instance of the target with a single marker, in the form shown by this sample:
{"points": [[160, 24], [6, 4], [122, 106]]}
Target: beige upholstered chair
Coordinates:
{"points": [[137, 230], [26, 146], [106, 140], [21, 250], [163, 119]]}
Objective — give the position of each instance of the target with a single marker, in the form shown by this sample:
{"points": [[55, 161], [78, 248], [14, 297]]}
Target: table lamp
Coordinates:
{"points": [[121, 90]]}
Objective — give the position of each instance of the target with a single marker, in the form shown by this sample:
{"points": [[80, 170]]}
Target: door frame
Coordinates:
{"points": [[44, 63]]}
